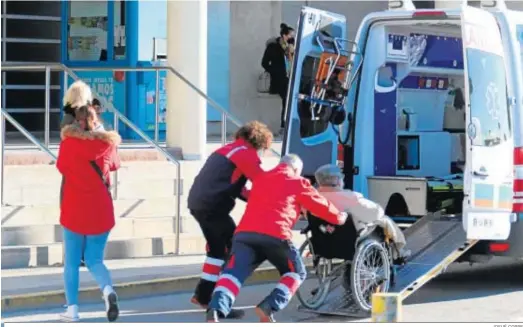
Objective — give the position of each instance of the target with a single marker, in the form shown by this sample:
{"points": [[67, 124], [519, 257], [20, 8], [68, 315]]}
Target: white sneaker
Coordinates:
{"points": [[111, 303], [70, 314]]}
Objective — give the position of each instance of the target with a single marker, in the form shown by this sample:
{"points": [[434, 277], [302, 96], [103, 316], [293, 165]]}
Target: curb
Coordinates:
{"points": [[125, 291]]}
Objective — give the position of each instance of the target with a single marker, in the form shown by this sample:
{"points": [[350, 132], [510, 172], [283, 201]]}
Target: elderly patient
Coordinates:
{"points": [[363, 211]]}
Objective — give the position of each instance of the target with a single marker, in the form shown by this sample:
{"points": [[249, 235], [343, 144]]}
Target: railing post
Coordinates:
{"points": [[157, 107], [224, 128], [116, 122], [47, 118], [66, 81], [2, 135], [178, 209]]}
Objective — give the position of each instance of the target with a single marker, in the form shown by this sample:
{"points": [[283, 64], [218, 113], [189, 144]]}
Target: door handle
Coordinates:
{"points": [[481, 173]]}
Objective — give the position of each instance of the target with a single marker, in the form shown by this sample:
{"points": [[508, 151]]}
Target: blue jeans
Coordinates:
{"points": [[249, 250], [91, 247]]}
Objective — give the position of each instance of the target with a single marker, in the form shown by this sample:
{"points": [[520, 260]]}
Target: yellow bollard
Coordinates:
{"points": [[386, 307]]}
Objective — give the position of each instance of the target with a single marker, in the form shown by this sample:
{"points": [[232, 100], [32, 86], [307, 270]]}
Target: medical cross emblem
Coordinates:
{"points": [[327, 229]]}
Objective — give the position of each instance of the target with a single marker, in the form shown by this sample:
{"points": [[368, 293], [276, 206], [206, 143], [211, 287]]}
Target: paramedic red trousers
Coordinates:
{"points": [[249, 250], [218, 229]]}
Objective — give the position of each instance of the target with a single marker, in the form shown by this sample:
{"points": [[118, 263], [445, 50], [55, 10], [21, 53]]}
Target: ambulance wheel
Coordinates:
{"points": [[314, 291], [370, 272]]}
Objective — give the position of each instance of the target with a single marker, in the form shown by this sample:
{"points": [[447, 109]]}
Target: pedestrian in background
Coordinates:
{"points": [[277, 61], [85, 159], [77, 95]]}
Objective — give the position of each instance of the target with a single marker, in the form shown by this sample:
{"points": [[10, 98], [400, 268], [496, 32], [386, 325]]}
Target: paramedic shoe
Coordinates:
{"points": [[211, 316], [111, 304], [195, 301], [234, 314], [70, 314], [264, 312]]}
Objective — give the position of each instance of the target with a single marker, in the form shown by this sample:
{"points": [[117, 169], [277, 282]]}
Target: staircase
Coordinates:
{"points": [[30, 33], [145, 211]]}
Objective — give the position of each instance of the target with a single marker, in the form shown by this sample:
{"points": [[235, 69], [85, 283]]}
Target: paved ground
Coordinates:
{"points": [[481, 293]]}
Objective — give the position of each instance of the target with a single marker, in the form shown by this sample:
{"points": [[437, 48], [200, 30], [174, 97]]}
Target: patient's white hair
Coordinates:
{"points": [[329, 175], [294, 161], [77, 95]]}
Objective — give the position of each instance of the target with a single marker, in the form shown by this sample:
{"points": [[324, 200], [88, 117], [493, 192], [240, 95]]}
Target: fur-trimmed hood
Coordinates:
{"points": [[74, 130]]}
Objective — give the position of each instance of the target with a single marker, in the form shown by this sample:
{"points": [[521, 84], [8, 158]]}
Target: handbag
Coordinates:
{"points": [[264, 82]]}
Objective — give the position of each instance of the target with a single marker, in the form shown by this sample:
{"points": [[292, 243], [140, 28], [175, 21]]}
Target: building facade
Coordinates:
{"points": [[78, 33]]}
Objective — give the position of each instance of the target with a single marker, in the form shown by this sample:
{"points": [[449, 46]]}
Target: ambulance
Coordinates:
{"points": [[424, 113]]}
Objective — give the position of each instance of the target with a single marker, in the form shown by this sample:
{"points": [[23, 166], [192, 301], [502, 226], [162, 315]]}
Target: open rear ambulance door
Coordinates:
{"points": [[488, 178], [319, 34]]}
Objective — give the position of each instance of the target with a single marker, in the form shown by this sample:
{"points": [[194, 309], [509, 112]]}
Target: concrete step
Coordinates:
{"points": [[52, 254], [49, 214], [40, 184], [125, 228]]}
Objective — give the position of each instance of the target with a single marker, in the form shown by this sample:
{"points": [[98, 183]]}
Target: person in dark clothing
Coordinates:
{"points": [[277, 61], [213, 195]]}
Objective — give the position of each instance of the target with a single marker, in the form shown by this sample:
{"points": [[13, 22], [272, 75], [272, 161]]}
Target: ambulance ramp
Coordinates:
{"points": [[435, 242]]}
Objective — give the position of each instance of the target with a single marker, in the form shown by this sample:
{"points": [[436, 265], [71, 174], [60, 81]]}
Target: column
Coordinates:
{"points": [[186, 120]]}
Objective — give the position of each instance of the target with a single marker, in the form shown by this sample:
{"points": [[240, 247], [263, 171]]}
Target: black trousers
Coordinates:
{"points": [[218, 230]]}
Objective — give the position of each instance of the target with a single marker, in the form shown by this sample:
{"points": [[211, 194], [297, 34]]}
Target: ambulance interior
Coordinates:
{"points": [[414, 110]]}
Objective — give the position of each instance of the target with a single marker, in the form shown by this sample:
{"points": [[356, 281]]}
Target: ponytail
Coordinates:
{"points": [[285, 29]]}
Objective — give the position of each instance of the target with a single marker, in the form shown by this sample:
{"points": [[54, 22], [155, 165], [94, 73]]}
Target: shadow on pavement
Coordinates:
{"points": [[463, 281]]}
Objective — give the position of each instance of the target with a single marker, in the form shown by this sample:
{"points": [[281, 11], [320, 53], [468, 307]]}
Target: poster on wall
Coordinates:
{"points": [[87, 30], [109, 86], [150, 96]]}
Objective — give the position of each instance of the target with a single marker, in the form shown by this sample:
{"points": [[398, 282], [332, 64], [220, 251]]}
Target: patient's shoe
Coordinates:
{"points": [[403, 256], [70, 314]]}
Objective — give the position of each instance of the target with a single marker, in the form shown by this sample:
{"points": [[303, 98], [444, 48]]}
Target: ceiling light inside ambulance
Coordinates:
{"points": [[429, 14]]}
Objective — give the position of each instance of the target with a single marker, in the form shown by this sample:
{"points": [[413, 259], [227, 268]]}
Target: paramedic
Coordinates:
{"points": [[277, 60], [363, 211], [265, 233], [85, 159], [212, 197]]}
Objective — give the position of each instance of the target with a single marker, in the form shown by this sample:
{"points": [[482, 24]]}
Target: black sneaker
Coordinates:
{"points": [[234, 314], [111, 307], [211, 316], [264, 312]]}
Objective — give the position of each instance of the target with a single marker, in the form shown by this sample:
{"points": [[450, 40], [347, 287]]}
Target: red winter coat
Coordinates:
{"points": [[276, 200], [86, 206]]}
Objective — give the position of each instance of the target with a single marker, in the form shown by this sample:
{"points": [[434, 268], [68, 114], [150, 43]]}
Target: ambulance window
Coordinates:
{"points": [[490, 115], [311, 123]]}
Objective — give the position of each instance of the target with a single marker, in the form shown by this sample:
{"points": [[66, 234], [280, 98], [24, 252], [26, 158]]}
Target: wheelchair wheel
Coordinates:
{"points": [[370, 272], [316, 288]]}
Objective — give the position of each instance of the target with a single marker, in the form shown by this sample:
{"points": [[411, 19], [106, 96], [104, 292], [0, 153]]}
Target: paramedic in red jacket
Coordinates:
{"points": [[85, 159], [265, 233], [213, 195]]}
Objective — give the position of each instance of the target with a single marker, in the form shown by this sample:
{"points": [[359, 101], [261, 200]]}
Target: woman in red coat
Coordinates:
{"points": [[85, 159]]}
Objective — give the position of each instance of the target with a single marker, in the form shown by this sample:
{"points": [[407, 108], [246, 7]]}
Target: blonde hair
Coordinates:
{"points": [[77, 95]]}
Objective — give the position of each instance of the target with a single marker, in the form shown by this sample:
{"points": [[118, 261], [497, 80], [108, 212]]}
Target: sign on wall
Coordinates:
{"points": [[110, 86]]}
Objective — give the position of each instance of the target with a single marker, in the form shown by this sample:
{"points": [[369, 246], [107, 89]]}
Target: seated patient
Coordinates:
{"points": [[330, 180]]}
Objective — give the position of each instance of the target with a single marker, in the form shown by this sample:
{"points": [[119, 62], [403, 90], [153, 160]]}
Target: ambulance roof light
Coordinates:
{"points": [[401, 5], [429, 14]]}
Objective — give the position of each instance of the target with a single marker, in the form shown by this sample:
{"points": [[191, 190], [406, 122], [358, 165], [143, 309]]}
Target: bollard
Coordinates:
{"points": [[386, 307]]}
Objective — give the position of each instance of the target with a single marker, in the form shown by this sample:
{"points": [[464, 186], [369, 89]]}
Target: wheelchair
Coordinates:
{"points": [[363, 259]]}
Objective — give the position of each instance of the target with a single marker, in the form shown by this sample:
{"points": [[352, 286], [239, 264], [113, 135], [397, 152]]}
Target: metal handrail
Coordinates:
{"points": [[27, 134], [226, 115]]}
